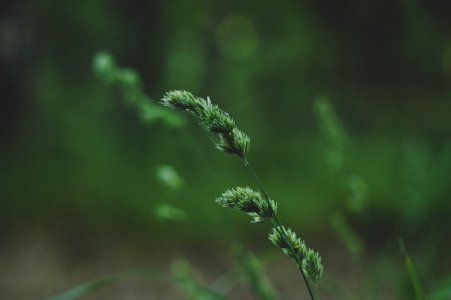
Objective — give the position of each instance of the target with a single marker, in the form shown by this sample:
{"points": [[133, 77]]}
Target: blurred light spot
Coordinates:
{"points": [[169, 177], [166, 212], [236, 37], [358, 190]]}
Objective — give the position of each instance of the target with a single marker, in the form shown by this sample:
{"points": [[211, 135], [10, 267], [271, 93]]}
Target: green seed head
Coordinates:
{"points": [[243, 198], [312, 266], [250, 202], [311, 261], [213, 119], [182, 100], [276, 237], [235, 142]]}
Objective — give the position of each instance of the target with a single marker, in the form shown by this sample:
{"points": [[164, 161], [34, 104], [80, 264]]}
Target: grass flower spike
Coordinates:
{"points": [[310, 260], [249, 201], [212, 119], [257, 205]]}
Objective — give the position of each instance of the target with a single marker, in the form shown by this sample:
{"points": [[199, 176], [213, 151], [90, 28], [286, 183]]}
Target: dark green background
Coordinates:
{"points": [[77, 160]]}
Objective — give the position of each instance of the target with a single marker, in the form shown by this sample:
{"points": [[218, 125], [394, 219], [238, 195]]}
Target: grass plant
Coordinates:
{"points": [[228, 138], [129, 84]]}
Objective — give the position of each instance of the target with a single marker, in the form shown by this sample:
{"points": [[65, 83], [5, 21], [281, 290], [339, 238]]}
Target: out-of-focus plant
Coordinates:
{"points": [[411, 271], [260, 208], [181, 275], [337, 144], [252, 272], [129, 84], [337, 153], [333, 133], [102, 282], [168, 212], [346, 233], [186, 278], [169, 178], [427, 184], [188, 283]]}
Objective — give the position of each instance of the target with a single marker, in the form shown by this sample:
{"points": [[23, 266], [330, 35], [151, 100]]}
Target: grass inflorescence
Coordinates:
{"points": [[257, 205]]}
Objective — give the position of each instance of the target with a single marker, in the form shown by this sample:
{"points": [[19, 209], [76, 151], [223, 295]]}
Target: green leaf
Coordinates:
{"points": [[413, 276]]}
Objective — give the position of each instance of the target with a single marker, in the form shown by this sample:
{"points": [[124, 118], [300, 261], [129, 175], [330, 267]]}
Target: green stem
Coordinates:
{"points": [[280, 227]]}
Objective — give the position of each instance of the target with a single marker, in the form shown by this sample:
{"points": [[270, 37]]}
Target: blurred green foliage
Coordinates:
{"points": [[129, 83], [74, 152], [164, 211], [169, 177], [252, 271]]}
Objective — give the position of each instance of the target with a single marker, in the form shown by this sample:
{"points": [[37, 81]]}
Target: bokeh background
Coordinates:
{"points": [[347, 103]]}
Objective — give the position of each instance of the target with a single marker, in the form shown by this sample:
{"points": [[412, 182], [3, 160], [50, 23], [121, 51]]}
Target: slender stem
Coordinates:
{"points": [[279, 227]]}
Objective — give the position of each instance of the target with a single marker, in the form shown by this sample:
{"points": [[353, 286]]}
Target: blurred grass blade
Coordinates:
{"points": [[196, 291], [333, 133], [413, 276], [99, 283], [253, 273], [130, 85], [346, 233], [185, 277], [85, 289]]}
